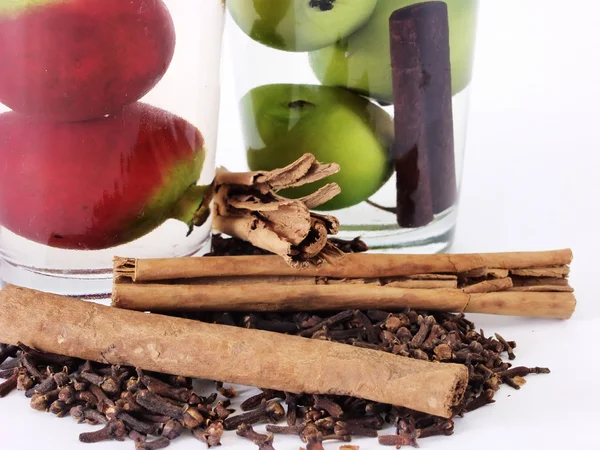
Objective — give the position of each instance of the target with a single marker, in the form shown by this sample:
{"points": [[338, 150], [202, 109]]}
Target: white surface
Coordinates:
{"points": [[531, 182]]}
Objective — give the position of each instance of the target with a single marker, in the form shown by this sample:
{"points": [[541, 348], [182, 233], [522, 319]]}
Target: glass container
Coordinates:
{"points": [[379, 86], [108, 132]]}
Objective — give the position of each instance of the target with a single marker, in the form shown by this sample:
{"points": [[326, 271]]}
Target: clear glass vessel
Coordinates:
{"points": [[379, 86], [108, 132]]}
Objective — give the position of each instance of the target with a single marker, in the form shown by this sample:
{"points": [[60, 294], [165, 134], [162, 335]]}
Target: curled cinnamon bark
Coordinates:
{"points": [[247, 206]]}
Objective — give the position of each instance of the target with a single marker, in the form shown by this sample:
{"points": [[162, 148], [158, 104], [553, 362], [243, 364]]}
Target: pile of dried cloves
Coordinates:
{"points": [[153, 409]]}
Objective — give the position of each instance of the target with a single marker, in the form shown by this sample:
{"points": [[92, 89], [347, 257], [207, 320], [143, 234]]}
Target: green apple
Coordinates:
{"points": [[362, 61], [284, 121], [300, 25]]}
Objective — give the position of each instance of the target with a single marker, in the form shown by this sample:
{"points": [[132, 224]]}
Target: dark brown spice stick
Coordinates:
{"points": [[424, 150], [439, 125], [413, 185]]}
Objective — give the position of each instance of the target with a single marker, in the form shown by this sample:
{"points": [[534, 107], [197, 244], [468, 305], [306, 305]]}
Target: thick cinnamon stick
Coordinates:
{"points": [[414, 203], [282, 297], [360, 265], [177, 346], [424, 149], [439, 125]]}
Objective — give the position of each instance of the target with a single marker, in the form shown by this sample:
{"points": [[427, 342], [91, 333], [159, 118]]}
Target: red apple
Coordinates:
{"points": [[100, 183], [75, 60]]}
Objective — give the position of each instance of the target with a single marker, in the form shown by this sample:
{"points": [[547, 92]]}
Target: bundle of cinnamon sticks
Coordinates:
{"points": [[518, 283], [248, 206]]}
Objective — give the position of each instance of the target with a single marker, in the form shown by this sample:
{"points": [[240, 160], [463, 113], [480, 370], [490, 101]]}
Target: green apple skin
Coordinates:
{"points": [[299, 25], [284, 121], [362, 61]]}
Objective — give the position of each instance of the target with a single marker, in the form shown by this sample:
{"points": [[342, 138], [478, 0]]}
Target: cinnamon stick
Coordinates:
{"points": [[424, 148], [283, 297], [494, 285], [247, 206], [414, 203], [152, 342], [359, 265]]}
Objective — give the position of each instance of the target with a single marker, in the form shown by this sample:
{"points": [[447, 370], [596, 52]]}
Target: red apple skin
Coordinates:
{"points": [[95, 184], [82, 59]]}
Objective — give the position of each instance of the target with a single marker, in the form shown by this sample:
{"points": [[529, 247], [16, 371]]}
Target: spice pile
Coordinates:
{"points": [[153, 409]]}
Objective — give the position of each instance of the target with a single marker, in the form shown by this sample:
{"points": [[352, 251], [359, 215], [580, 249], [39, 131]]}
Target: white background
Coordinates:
{"points": [[531, 182]]}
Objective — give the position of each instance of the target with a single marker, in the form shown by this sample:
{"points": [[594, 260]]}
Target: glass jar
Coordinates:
{"points": [[108, 131], [379, 86]]}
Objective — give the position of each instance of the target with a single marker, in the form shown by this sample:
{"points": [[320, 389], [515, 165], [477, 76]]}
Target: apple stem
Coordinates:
{"points": [[193, 208], [383, 208], [299, 104]]}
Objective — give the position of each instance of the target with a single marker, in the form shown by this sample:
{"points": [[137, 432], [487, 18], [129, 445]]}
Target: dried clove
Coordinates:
{"points": [[222, 412], [59, 409], [352, 429], [439, 428], [82, 414], [172, 429], [332, 408], [271, 411], [47, 358], [8, 351], [114, 429], [113, 413], [10, 384], [289, 430], [340, 317], [192, 417], [30, 365], [399, 440], [485, 398], [45, 386], [253, 321], [367, 326], [158, 387], [156, 444], [11, 363], [507, 347], [42, 402], [211, 435], [522, 371], [292, 408], [229, 392], [92, 378], [102, 401], [375, 422], [246, 431], [159, 405], [313, 437]]}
